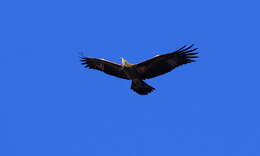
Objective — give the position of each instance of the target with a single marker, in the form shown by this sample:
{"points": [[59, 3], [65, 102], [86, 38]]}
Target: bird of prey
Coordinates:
{"points": [[150, 68]]}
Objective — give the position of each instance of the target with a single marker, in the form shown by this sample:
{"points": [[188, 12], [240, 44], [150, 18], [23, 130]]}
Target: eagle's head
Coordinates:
{"points": [[124, 62]]}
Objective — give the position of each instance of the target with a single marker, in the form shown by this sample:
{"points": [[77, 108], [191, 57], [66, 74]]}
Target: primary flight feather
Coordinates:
{"points": [[153, 67]]}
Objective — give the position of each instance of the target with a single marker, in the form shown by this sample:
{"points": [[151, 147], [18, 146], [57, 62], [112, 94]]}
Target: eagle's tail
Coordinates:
{"points": [[141, 87]]}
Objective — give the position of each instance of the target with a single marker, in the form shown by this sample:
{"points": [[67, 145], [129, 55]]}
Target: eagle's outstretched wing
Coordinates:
{"points": [[165, 63], [105, 66]]}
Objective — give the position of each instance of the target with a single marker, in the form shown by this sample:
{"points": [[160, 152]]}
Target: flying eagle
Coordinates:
{"points": [[150, 68]]}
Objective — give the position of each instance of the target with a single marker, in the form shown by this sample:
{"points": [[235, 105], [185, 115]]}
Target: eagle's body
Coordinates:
{"points": [[138, 85], [129, 70], [153, 67]]}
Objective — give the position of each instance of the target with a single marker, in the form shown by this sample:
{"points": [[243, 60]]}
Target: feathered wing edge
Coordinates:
{"points": [[165, 63], [105, 66]]}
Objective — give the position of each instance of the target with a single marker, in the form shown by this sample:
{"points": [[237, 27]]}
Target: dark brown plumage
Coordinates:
{"points": [[153, 67], [105, 66]]}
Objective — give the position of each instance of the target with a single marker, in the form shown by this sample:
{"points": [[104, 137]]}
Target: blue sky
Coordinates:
{"points": [[51, 105]]}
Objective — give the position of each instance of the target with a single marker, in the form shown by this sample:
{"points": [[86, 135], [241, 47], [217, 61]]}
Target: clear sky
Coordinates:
{"points": [[50, 105]]}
